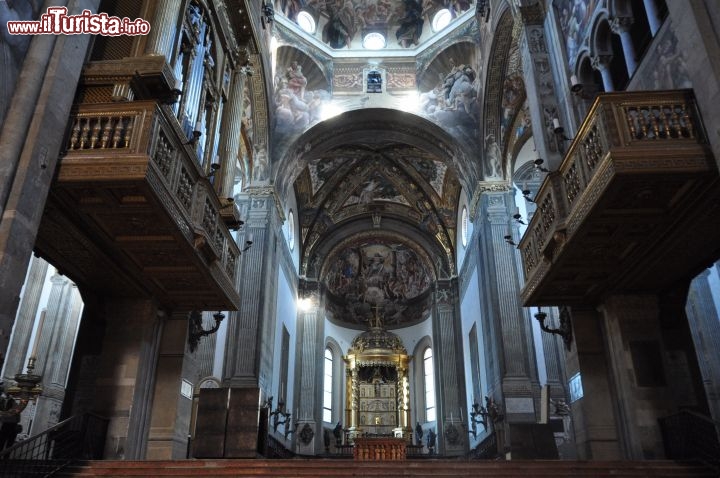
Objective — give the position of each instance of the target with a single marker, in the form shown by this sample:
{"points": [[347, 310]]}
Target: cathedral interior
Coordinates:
{"points": [[478, 229]]}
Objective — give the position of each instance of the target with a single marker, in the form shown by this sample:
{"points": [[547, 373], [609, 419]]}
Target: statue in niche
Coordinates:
{"points": [[492, 158]]}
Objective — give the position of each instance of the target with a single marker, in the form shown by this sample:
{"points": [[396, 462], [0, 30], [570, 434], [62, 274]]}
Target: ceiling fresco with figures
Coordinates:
{"points": [[377, 277], [376, 167], [342, 24], [372, 194]]}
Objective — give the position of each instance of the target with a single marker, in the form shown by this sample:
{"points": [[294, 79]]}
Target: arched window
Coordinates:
{"points": [[429, 382], [328, 386]]}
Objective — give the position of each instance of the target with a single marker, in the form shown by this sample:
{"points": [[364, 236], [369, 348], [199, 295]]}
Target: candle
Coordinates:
{"points": [[537, 154], [574, 80], [198, 125], [556, 123], [250, 237], [517, 211], [451, 416], [37, 334]]}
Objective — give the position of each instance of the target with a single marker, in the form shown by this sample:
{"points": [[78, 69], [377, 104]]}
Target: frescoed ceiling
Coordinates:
{"points": [[342, 24], [368, 195]]}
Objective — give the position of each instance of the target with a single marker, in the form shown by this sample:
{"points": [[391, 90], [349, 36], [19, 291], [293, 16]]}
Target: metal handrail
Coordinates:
{"points": [[80, 437]]}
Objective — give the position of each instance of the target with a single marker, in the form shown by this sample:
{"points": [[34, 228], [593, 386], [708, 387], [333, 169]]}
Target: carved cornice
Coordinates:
{"points": [[533, 14], [487, 187]]}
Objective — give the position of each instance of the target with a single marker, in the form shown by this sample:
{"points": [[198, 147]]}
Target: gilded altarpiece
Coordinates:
{"points": [[377, 394]]}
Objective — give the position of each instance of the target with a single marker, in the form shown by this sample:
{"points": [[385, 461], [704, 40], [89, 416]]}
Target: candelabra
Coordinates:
{"points": [[484, 415], [565, 328], [26, 388], [281, 417], [196, 330]]}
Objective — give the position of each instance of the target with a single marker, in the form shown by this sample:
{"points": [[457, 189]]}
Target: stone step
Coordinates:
{"points": [[409, 468]]}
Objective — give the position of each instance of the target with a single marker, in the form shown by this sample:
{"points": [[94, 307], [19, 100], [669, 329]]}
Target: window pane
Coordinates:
{"points": [[428, 372], [328, 386]]}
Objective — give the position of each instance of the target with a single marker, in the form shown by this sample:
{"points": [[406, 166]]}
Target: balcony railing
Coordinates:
{"points": [[623, 133], [141, 141]]}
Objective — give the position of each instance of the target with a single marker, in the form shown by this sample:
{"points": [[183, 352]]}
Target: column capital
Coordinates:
{"points": [[621, 25], [486, 187], [600, 62]]}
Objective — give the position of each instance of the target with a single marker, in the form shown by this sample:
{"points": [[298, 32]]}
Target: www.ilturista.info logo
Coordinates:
{"points": [[57, 22]]}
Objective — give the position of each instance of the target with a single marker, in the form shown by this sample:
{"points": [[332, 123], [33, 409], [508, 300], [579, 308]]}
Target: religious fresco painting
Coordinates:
{"points": [[378, 277], [432, 171], [575, 18], [453, 102], [296, 107], [345, 22], [669, 65], [376, 188]]}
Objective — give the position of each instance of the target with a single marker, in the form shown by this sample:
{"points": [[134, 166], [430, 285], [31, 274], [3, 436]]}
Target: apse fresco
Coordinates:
{"points": [[575, 17], [377, 277], [344, 22]]}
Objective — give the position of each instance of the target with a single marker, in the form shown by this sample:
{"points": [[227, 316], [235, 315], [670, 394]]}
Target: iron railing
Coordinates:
{"points": [[81, 437], [688, 435]]}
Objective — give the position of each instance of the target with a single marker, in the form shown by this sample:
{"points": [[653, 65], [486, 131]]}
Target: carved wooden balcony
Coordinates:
{"points": [[633, 207], [131, 211]]}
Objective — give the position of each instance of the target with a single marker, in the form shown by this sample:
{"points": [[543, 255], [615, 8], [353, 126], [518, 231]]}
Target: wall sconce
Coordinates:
{"points": [[484, 415], [214, 168], [248, 241], [281, 417], [195, 328], [195, 134], [518, 217], [565, 328], [526, 193], [582, 90], [559, 130]]}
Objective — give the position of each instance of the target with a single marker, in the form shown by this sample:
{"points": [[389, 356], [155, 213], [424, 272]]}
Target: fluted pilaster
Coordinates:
{"points": [[164, 28]]}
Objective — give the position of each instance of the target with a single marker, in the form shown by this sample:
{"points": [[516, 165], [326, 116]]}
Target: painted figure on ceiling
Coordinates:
{"points": [[340, 28], [411, 24]]}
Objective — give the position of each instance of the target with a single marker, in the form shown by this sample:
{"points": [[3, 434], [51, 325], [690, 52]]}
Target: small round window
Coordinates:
{"points": [[291, 230], [441, 19], [306, 21], [464, 226]]}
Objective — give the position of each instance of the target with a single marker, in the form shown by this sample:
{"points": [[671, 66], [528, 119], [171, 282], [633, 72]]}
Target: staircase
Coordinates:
{"points": [[409, 468]]}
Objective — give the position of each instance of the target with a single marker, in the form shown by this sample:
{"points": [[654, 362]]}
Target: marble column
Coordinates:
{"points": [[309, 370], [30, 141], [508, 335], [25, 321], [230, 139], [250, 334], [621, 26], [449, 372], [705, 327], [593, 413], [602, 64], [653, 16], [540, 86], [60, 326], [164, 27], [653, 366]]}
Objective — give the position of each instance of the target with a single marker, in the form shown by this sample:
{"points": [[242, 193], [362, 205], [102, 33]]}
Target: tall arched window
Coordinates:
{"points": [[328, 386], [429, 382]]}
